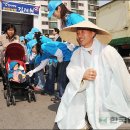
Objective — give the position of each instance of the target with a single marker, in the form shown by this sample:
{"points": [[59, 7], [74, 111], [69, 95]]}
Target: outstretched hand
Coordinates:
{"points": [[30, 73]]}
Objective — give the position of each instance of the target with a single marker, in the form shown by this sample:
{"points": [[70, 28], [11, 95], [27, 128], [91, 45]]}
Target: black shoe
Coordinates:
{"points": [[57, 99]]}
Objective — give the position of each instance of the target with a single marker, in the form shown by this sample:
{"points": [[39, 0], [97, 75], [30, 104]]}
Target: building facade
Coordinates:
{"points": [[82, 7], [25, 21]]}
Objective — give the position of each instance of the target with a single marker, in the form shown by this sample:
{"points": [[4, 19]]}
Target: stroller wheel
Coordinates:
{"points": [[13, 100], [8, 100], [5, 94], [29, 97], [34, 96]]}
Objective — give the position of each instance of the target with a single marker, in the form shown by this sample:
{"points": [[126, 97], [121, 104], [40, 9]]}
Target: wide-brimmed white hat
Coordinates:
{"points": [[69, 33]]}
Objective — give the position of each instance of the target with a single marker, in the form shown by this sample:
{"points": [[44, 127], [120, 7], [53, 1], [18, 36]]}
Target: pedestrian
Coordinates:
{"points": [[23, 43], [99, 82], [8, 37], [56, 35], [52, 68], [60, 11]]}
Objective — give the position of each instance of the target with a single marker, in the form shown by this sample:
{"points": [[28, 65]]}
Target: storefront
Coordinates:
{"points": [[122, 45], [21, 15]]}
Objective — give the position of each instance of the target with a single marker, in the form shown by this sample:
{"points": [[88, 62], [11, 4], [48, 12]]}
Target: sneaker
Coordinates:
{"points": [[57, 100]]}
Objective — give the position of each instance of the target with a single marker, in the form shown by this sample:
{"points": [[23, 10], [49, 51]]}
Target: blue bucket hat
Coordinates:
{"points": [[32, 43], [45, 39], [34, 30], [12, 65], [53, 4], [29, 36]]}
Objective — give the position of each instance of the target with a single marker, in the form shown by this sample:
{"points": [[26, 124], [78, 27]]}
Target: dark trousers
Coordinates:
{"points": [[31, 67], [50, 79], [62, 79]]}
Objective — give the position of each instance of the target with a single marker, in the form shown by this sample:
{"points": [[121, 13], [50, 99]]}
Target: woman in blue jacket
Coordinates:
{"points": [[59, 10], [63, 52], [54, 49]]}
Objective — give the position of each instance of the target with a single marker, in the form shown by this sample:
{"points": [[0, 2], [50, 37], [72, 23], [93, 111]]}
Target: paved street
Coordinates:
{"points": [[34, 115]]}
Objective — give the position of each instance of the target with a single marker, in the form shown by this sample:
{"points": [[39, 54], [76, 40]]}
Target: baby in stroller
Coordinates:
{"points": [[16, 72], [15, 78]]}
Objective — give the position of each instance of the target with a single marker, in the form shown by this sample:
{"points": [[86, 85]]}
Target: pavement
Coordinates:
{"points": [[35, 115]]}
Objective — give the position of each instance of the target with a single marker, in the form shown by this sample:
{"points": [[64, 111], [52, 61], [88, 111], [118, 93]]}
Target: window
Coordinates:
{"points": [[92, 2], [44, 15], [81, 12], [45, 31], [74, 5], [52, 24], [44, 8], [80, 4], [44, 23], [92, 14], [92, 20], [91, 7]]}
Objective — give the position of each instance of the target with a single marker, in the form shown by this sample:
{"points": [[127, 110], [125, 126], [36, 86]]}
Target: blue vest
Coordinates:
{"points": [[73, 18]]}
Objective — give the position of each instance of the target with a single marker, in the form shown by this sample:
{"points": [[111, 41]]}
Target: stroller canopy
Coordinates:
{"points": [[15, 51]]}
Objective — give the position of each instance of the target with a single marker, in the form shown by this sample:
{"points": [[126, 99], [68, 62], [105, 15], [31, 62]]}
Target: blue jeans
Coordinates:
{"points": [[50, 79], [39, 79]]}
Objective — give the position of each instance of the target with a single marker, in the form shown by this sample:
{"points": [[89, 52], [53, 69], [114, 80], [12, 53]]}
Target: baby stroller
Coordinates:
{"points": [[15, 53]]}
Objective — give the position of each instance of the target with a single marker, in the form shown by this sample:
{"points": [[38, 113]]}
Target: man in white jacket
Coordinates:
{"points": [[99, 83]]}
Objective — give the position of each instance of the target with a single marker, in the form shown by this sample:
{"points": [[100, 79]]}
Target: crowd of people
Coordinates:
{"points": [[89, 85]]}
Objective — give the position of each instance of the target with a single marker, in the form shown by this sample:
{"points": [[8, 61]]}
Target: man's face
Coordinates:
{"points": [[85, 37], [54, 33]]}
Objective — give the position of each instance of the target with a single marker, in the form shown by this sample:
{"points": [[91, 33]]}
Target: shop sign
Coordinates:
{"points": [[20, 8]]}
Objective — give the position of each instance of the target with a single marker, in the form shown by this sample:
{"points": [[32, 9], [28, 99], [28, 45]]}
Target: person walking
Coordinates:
{"points": [[98, 87], [56, 35]]}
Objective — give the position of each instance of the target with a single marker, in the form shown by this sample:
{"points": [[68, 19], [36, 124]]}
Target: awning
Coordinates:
{"points": [[120, 41], [20, 8]]}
